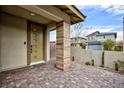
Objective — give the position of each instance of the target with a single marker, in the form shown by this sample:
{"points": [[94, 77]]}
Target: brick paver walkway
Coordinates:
{"points": [[47, 76]]}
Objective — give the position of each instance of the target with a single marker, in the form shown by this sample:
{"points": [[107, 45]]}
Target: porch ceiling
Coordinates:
{"points": [[46, 14], [21, 12]]}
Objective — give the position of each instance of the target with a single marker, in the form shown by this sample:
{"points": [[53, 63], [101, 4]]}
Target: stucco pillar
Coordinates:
{"points": [[63, 46], [47, 44]]}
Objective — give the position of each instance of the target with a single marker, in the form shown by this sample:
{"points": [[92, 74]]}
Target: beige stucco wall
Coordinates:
{"points": [[82, 55], [111, 57], [13, 35], [97, 56]]}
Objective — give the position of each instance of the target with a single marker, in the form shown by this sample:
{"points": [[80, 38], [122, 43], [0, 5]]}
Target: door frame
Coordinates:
{"points": [[28, 42], [29, 23]]}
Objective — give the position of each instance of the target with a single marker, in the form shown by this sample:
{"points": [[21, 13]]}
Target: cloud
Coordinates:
{"points": [[94, 7], [116, 10], [81, 6], [112, 9], [87, 6], [105, 6]]}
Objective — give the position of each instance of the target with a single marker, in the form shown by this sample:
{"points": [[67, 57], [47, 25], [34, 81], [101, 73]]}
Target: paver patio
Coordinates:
{"points": [[47, 76]]}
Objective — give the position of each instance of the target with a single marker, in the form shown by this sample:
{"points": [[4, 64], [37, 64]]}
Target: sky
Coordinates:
{"points": [[101, 18]]}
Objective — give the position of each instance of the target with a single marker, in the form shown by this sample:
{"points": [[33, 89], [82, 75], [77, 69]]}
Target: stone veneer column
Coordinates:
{"points": [[63, 46]]}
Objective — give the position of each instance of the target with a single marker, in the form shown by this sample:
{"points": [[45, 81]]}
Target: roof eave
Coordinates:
{"points": [[77, 12]]}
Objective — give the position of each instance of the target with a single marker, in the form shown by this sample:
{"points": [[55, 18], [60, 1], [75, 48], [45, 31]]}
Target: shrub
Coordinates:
{"points": [[118, 48], [108, 44], [102, 59], [87, 63], [72, 58], [82, 45], [92, 62]]}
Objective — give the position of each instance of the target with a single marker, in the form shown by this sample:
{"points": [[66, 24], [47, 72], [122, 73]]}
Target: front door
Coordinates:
{"points": [[36, 43]]}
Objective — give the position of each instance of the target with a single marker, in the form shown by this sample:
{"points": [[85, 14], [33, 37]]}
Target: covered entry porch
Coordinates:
{"points": [[24, 34], [47, 76]]}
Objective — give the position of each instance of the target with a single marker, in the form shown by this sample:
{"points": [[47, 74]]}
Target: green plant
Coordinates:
{"points": [[119, 64], [82, 45], [108, 44], [72, 58], [92, 62], [87, 63], [119, 46], [102, 59], [116, 66], [116, 49]]}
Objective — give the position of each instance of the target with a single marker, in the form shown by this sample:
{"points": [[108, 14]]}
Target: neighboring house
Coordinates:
{"points": [[95, 39], [76, 41], [24, 34]]}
